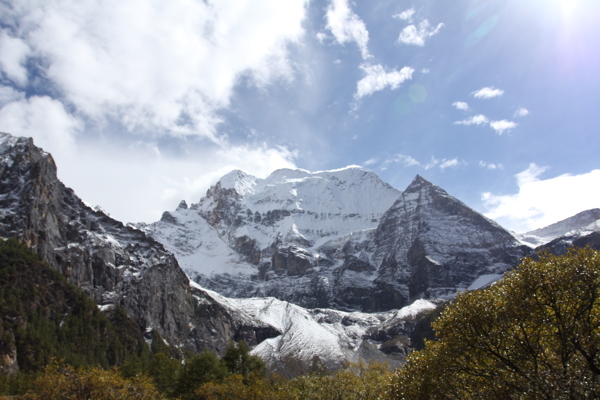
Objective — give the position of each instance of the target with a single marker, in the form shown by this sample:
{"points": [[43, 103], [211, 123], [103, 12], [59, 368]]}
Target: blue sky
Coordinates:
{"points": [[143, 103]]}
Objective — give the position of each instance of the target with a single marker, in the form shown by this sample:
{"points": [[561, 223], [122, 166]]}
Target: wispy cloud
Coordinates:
{"points": [[541, 202], [409, 161], [521, 112], [490, 165], [413, 35], [376, 79], [405, 15], [487, 93], [346, 26], [475, 120], [461, 105], [371, 161], [449, 163], [503, 125]]}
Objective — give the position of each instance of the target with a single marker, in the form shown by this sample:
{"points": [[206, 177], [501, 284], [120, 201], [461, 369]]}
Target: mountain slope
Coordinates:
{"points": [[114, 264], [580, 224], [340, 239], [248, 236], [430, 244], [45, 317], [329, 338]]}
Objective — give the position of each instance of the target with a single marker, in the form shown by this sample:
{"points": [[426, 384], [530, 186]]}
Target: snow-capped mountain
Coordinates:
{"points": [[341, 239], [580, 224], [118, 265]]}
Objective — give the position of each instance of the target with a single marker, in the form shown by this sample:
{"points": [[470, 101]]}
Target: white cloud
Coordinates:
{"points": [[487, 93], [539, 203], [425, 71], [503, 125], [412, 35], [405, 15], [321, 37], [45, 120], [155, 68], [8, 95], [147, 64], [490, 165], [449, 163], [13, 54], [409, 161], [377, 79], [160, 182], [461, 105], [522, 112], [370, 161], [346, 26], [475, 120]]}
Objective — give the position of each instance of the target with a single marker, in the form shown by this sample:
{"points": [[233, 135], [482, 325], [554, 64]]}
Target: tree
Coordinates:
{"points": [[533, 335], [63, 382], [198, 370], [163, 371], [238, 360]]}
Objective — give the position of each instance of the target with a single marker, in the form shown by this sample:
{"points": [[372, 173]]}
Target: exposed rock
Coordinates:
{"points": [[112, 263], [430, 245], [338, 238]]}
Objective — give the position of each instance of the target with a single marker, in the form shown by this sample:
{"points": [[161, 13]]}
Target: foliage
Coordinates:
{"points": [[63, 382], [358, 381], [198, 370], [534, 335], [42, 317], [238, 360]]}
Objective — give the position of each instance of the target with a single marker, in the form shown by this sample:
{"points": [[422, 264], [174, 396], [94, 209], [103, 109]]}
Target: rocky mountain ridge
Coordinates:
{"points": [[341, 239], [580, 224], [111, 262]]}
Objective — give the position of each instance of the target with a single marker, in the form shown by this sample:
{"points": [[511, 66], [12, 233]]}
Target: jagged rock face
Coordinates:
{"points": [[279, 236], [429, 244], [113, 263], [340, 239]]}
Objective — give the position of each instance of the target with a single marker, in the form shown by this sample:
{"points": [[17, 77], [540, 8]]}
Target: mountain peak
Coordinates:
{"points": [[585, 220], [239, 181], [419, 183]]}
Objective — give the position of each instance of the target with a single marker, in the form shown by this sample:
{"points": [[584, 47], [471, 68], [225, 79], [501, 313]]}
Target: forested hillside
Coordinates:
{"points": [[45, 317]]}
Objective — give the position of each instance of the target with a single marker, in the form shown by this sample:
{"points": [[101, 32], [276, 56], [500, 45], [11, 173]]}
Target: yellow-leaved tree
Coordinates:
{"points": [[533, 335]]}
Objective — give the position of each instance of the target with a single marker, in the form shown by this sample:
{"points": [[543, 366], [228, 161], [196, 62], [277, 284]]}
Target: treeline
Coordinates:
{"points": [[533, 335], [208, 378]]}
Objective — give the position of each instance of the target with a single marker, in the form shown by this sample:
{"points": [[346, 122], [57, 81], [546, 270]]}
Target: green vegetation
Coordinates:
{"points": [[534, 335], [44, 317]]}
